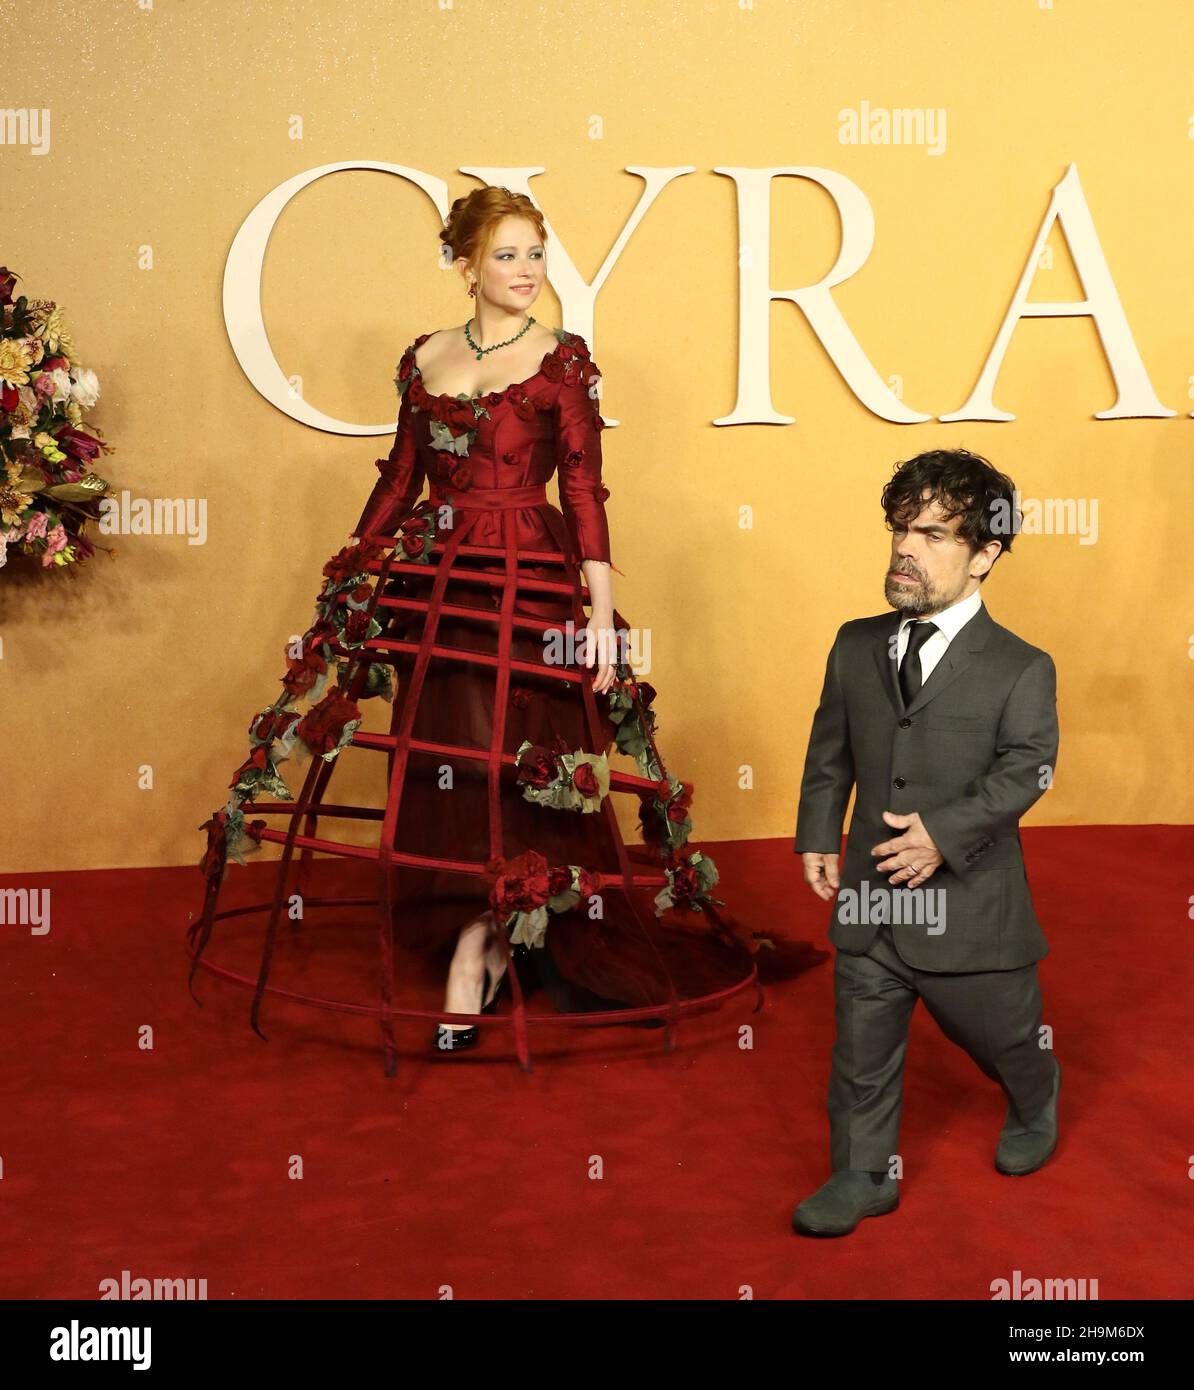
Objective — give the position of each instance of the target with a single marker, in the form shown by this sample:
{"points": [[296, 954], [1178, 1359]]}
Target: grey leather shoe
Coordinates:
{"points": [[1023, 1148], [840, 1204]]}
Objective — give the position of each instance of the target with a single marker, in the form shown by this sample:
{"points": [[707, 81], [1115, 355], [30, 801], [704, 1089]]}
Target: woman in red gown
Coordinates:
{"points": [[512, 710]]}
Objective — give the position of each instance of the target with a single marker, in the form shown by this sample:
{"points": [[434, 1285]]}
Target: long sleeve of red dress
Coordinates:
{"points": [[401, 480], [577, 416]]}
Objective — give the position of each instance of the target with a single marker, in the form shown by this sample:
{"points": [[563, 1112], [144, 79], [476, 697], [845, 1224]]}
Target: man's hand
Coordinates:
{"points": [[821, 875], [911, 857]]}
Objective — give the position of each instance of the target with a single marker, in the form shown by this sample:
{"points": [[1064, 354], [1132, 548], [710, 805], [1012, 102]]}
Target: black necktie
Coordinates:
{"points": [[910, 681]]}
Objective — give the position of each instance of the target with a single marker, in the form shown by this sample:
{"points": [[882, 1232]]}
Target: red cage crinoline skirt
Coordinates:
{"points": [[462, 628]]}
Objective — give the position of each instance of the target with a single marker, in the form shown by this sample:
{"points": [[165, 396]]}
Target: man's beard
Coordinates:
{"points": [[911, 600]]}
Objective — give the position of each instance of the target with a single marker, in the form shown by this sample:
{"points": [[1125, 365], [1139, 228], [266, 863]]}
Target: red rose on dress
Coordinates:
{"points": [[356, 629], [459, 416], [323, 724], [414, 543], [559, 879], [368, 551], [361, 593], [406, 368], [418, 393], [494, 398], [646, 693], [686, 883], [272, 723], [584, 779], [553, 368], [520, 885], [588, 882], [322, 631], [523, 408], [461, 476], [346, 562], [303, 671], [601, 493], [538, 767], [255, 762], [574, 458]]}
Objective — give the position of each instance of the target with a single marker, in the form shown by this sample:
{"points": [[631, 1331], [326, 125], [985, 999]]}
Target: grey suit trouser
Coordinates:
{"points": [[994, 1015]]}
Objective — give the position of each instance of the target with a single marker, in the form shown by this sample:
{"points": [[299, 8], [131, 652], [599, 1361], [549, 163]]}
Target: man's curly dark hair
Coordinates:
{"points": [[962, 484]]}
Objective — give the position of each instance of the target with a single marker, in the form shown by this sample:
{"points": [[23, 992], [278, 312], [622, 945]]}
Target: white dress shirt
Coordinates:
{"points": [[949, 622]]}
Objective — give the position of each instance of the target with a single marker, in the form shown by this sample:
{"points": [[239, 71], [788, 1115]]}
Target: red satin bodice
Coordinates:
{"points": [[516, 438]]}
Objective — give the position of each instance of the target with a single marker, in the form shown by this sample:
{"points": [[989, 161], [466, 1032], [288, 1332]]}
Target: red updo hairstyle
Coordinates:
{"points": [[473, 220]]}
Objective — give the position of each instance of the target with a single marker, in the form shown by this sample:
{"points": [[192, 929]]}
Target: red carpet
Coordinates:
{"points": [[173, 1162]]}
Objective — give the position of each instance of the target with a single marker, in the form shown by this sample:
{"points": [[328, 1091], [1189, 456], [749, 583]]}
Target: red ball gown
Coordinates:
{"points": [[465, 609]]}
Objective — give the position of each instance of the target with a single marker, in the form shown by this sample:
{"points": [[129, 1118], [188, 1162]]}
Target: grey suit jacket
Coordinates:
{"points": [[971, 753]]}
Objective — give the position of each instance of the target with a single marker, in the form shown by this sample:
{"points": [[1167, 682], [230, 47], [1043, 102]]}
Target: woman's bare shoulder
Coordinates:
{"points": [[548, 337], [428, 346]]}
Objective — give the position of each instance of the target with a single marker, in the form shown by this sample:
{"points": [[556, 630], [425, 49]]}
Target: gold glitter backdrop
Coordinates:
{"points": [[127, 694]]}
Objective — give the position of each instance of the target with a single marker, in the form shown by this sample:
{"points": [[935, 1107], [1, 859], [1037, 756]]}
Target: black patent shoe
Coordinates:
{"points": [[447, 1038]]}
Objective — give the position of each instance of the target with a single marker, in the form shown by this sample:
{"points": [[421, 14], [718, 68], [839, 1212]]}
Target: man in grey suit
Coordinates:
{"points": [[945, 723]]}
